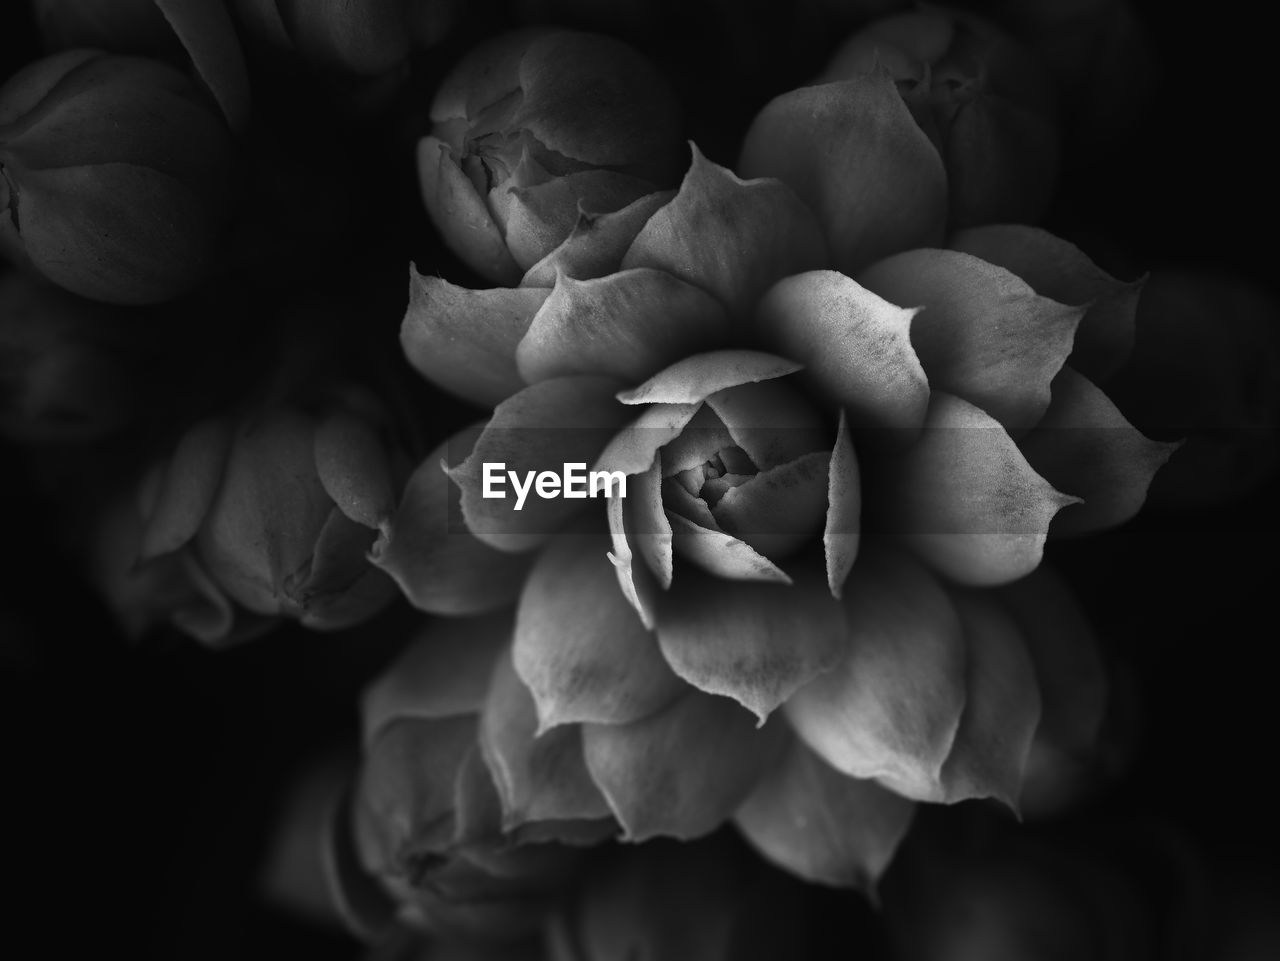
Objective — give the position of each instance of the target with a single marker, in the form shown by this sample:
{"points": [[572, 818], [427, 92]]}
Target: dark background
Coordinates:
{"points": [[140, 781]]}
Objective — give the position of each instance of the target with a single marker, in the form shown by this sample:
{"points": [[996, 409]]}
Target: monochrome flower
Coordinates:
{"points": [[816, 510]]}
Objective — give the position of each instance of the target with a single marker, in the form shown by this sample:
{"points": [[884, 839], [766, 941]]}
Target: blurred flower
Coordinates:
{"points": [[362, 37], [666, 900], [427, 817], [115, 177], [61, 376], [803, 527], [180, 31], [1204, 369], [533, 128], [979, 97], [267, 515]]}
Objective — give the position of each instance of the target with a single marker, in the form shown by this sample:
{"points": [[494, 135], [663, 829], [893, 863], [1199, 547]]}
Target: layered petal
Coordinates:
{"points": [[465, 340], [427, 550], [822, 826], [968, 501], [982, 334], [544, 427], [755, 643], [841, 535], [777, 510], [461, 215], [444, 673], [694, 379], [579, 647], [890, 709], [853, 153], [731, 237], [186, 488], [1059, 270], [629, 324], [540, 776], [683, 771], [354, 468], [1084, 446], [855, 347], [598, 242], [1002, 708]]}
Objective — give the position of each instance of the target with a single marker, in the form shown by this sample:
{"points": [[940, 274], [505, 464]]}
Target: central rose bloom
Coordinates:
{"points": [[834, 480]]}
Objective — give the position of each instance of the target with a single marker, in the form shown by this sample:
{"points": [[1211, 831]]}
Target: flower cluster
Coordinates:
{"points": [[849, 397]]}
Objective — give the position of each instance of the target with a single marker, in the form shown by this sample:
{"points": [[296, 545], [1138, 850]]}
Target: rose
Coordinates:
{"points": [[269, 514], [198, 33], [939, 425], [114, 176], [533, 128]]}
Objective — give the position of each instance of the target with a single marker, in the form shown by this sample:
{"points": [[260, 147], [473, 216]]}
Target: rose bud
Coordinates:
{"points": [[362, 37], [271, 515], [61, 373], [198, 33], [532, 130], [981, 106], [115, 176], [429, 822]]}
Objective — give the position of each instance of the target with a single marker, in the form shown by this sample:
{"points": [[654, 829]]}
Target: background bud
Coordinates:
{"points": [[116, 176], [364, 37], [981, 98], [534, 129]]}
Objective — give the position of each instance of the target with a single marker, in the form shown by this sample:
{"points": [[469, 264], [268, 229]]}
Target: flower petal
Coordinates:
{"points": [[629, 324], [209, 37], [339, 588], [354, 469], [362, 904], [754, 643], [983, 334], [680, 772], [565, 420], [1084, 446], [634, 449], [1072, 678], [540, 776], [190, 481], [443, 673], [777, 510], [647, 526], [465, 340], [596, 245], [854, 344], [822, 826], [721, 554], [968, 501], [729, 236], [772, 422], [635, 580], [461, 215], [694, 379], [1057, 269], [440, 566], [853, 153], [579, 647], [891, 708], [842, 533], [1001, 712], [539, 218]]}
